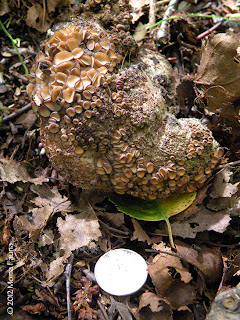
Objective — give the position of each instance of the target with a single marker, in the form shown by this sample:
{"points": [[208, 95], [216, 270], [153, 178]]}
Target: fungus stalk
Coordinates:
{"points": [[106, 126]]}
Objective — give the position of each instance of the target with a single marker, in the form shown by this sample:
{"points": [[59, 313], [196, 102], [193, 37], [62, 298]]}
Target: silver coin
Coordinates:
{"points": [[121, 272]]}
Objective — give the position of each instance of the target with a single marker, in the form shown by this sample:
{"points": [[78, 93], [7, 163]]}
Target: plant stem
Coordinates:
{"points": [[15, 47], [200, 15], [170, 235]]}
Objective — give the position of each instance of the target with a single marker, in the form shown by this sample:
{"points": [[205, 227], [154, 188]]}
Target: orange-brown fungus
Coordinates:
{"points": [[106, 126]]}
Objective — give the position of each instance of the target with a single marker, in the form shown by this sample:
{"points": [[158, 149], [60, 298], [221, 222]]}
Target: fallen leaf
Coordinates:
{"points": [[140, 33], [137, 8], [77, 230], [152, 210], [139, 233], [12, 171], [231, 268], [122, 309], [184, 313], [180, 294], [155, 210], [46, 238], [27, 119], [194, 207], [34, 309], [38, 18], [4, 8], [55, 269], [203, 220], [53, 4], [152, 307], [222, 187], [207, 260], [217, 79], [159, 269], [116, 218], [232, 5], [48, 203]]}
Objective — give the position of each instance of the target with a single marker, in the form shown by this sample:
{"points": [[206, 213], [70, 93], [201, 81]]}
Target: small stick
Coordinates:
{"points": [[152, 12], [205, 33], [162, 2], [68, 276], [102, 310], [20, 76], [17, 113], [163, 32]]}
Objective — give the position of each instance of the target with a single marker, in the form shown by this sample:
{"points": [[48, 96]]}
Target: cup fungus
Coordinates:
{"points": [[105, 124]]}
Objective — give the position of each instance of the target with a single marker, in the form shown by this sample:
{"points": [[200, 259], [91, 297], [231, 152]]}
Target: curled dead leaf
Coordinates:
{"points": [[217, 79], [35, 309], [38, 18], [152, 307], [206, 260], [159, 269], [53, 4], [180, 294]]}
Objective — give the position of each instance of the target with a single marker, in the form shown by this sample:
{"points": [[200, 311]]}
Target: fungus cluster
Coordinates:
{"points": [[105, 125]]}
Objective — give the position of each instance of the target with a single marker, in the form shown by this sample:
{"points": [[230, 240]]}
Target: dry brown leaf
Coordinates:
{"points": [[38, 18], [116, 218], [137, 8], [203, 220], [159, 269], [139, 33], [218, 77], [46, 238], [139, 233], [34, 309], [12, 171], [232, 5], [231, 268], [4, 8], [78, 230], [27, 119], [49, 202], [194, 207], [53, 4], [207, 260], [152, 307], [184, 313], [55, 269], [180, 294], [222, 187]]}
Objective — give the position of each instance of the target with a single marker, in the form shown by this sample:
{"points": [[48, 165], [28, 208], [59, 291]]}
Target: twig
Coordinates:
{"points": [[102, 310], [184, 44], [205, 33], [228, 164], [163, 32], [17, 113], [68, 276], [152, 12], [124, 233], [162, 2], [7, 128], [20, 76]]}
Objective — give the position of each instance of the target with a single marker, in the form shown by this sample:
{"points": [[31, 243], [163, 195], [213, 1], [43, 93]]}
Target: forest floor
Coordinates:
{"points": [[41, 214]]}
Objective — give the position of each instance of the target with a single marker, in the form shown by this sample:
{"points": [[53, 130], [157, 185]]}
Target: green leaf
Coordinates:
{"points": [[154, 210]]}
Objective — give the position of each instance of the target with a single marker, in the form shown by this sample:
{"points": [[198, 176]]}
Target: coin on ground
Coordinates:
{"points": [[121, 272]]}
